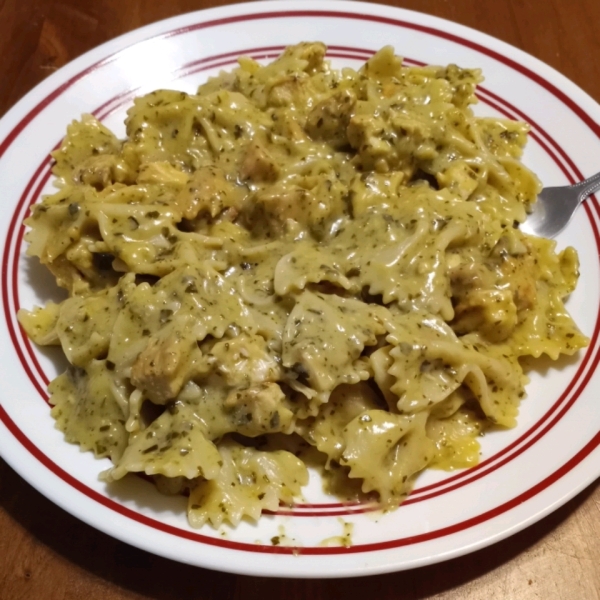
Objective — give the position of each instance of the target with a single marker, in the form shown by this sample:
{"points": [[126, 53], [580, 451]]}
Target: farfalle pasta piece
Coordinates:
{"points": [[249, 482], [324, 337], [386, 451], [87, 409], [326, 430], [60, 222], [456, 437], [40, 323], [430, 362], [85, 325], [179, 311], [307, 264], [174, 445], [86, 139], [547, 329]]}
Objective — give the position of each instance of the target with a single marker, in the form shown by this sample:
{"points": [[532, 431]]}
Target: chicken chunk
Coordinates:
{"points": [[259, 409], [272, 208], [491, 311], [329, 119], [103, 170], [245, 361], [312, 52], [258, 165], [210, 192], [161, 369]]}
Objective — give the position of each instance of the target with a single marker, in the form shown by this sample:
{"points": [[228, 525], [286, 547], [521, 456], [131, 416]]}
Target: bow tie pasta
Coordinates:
{"points": [[296, 253]]}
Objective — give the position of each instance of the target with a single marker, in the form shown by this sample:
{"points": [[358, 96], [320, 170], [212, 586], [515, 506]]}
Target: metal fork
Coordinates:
{"points": [[555, 207]]}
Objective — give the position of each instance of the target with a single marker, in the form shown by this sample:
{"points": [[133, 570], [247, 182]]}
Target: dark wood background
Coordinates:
{"points": [[46, 554]]}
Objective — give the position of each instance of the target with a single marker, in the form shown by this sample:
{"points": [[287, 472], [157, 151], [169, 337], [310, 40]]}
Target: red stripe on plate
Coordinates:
{"points": [[16, 230], [465, 476], [312, 550]]}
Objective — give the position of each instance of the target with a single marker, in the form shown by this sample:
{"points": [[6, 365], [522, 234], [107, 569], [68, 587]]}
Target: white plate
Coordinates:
{"points": [[525, 473]]}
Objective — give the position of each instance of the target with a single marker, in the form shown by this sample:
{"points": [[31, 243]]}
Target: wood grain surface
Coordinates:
{"points": [[47, 554]]}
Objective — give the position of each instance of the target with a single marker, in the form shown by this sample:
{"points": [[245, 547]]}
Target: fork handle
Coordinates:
{"points": [[588, 186]]}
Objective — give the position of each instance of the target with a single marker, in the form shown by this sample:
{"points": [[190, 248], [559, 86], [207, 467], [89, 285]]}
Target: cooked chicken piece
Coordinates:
{"points": [[259, 409], [208, 191], [489, 300], [290, 90], [465, 276], [245, 361], [273, 207], [312, 52], [329, 119], [525, 293], [492, 311], [103, 170], [67, 276], [161, 369], [257, 164], [396, 145], [364, 133]]}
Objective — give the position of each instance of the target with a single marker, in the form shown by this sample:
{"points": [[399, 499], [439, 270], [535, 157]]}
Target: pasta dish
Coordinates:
{"points": [[296, 257]]}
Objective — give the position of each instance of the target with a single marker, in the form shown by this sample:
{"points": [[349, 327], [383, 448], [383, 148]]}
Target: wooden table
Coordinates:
{"points": [[47, 554]]}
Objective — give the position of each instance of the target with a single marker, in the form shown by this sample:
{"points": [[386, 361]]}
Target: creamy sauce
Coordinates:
{"points": [[296, 251]]}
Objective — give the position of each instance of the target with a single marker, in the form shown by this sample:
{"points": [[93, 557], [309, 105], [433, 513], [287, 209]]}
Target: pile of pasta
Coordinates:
{"points": [[296, 253]]}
